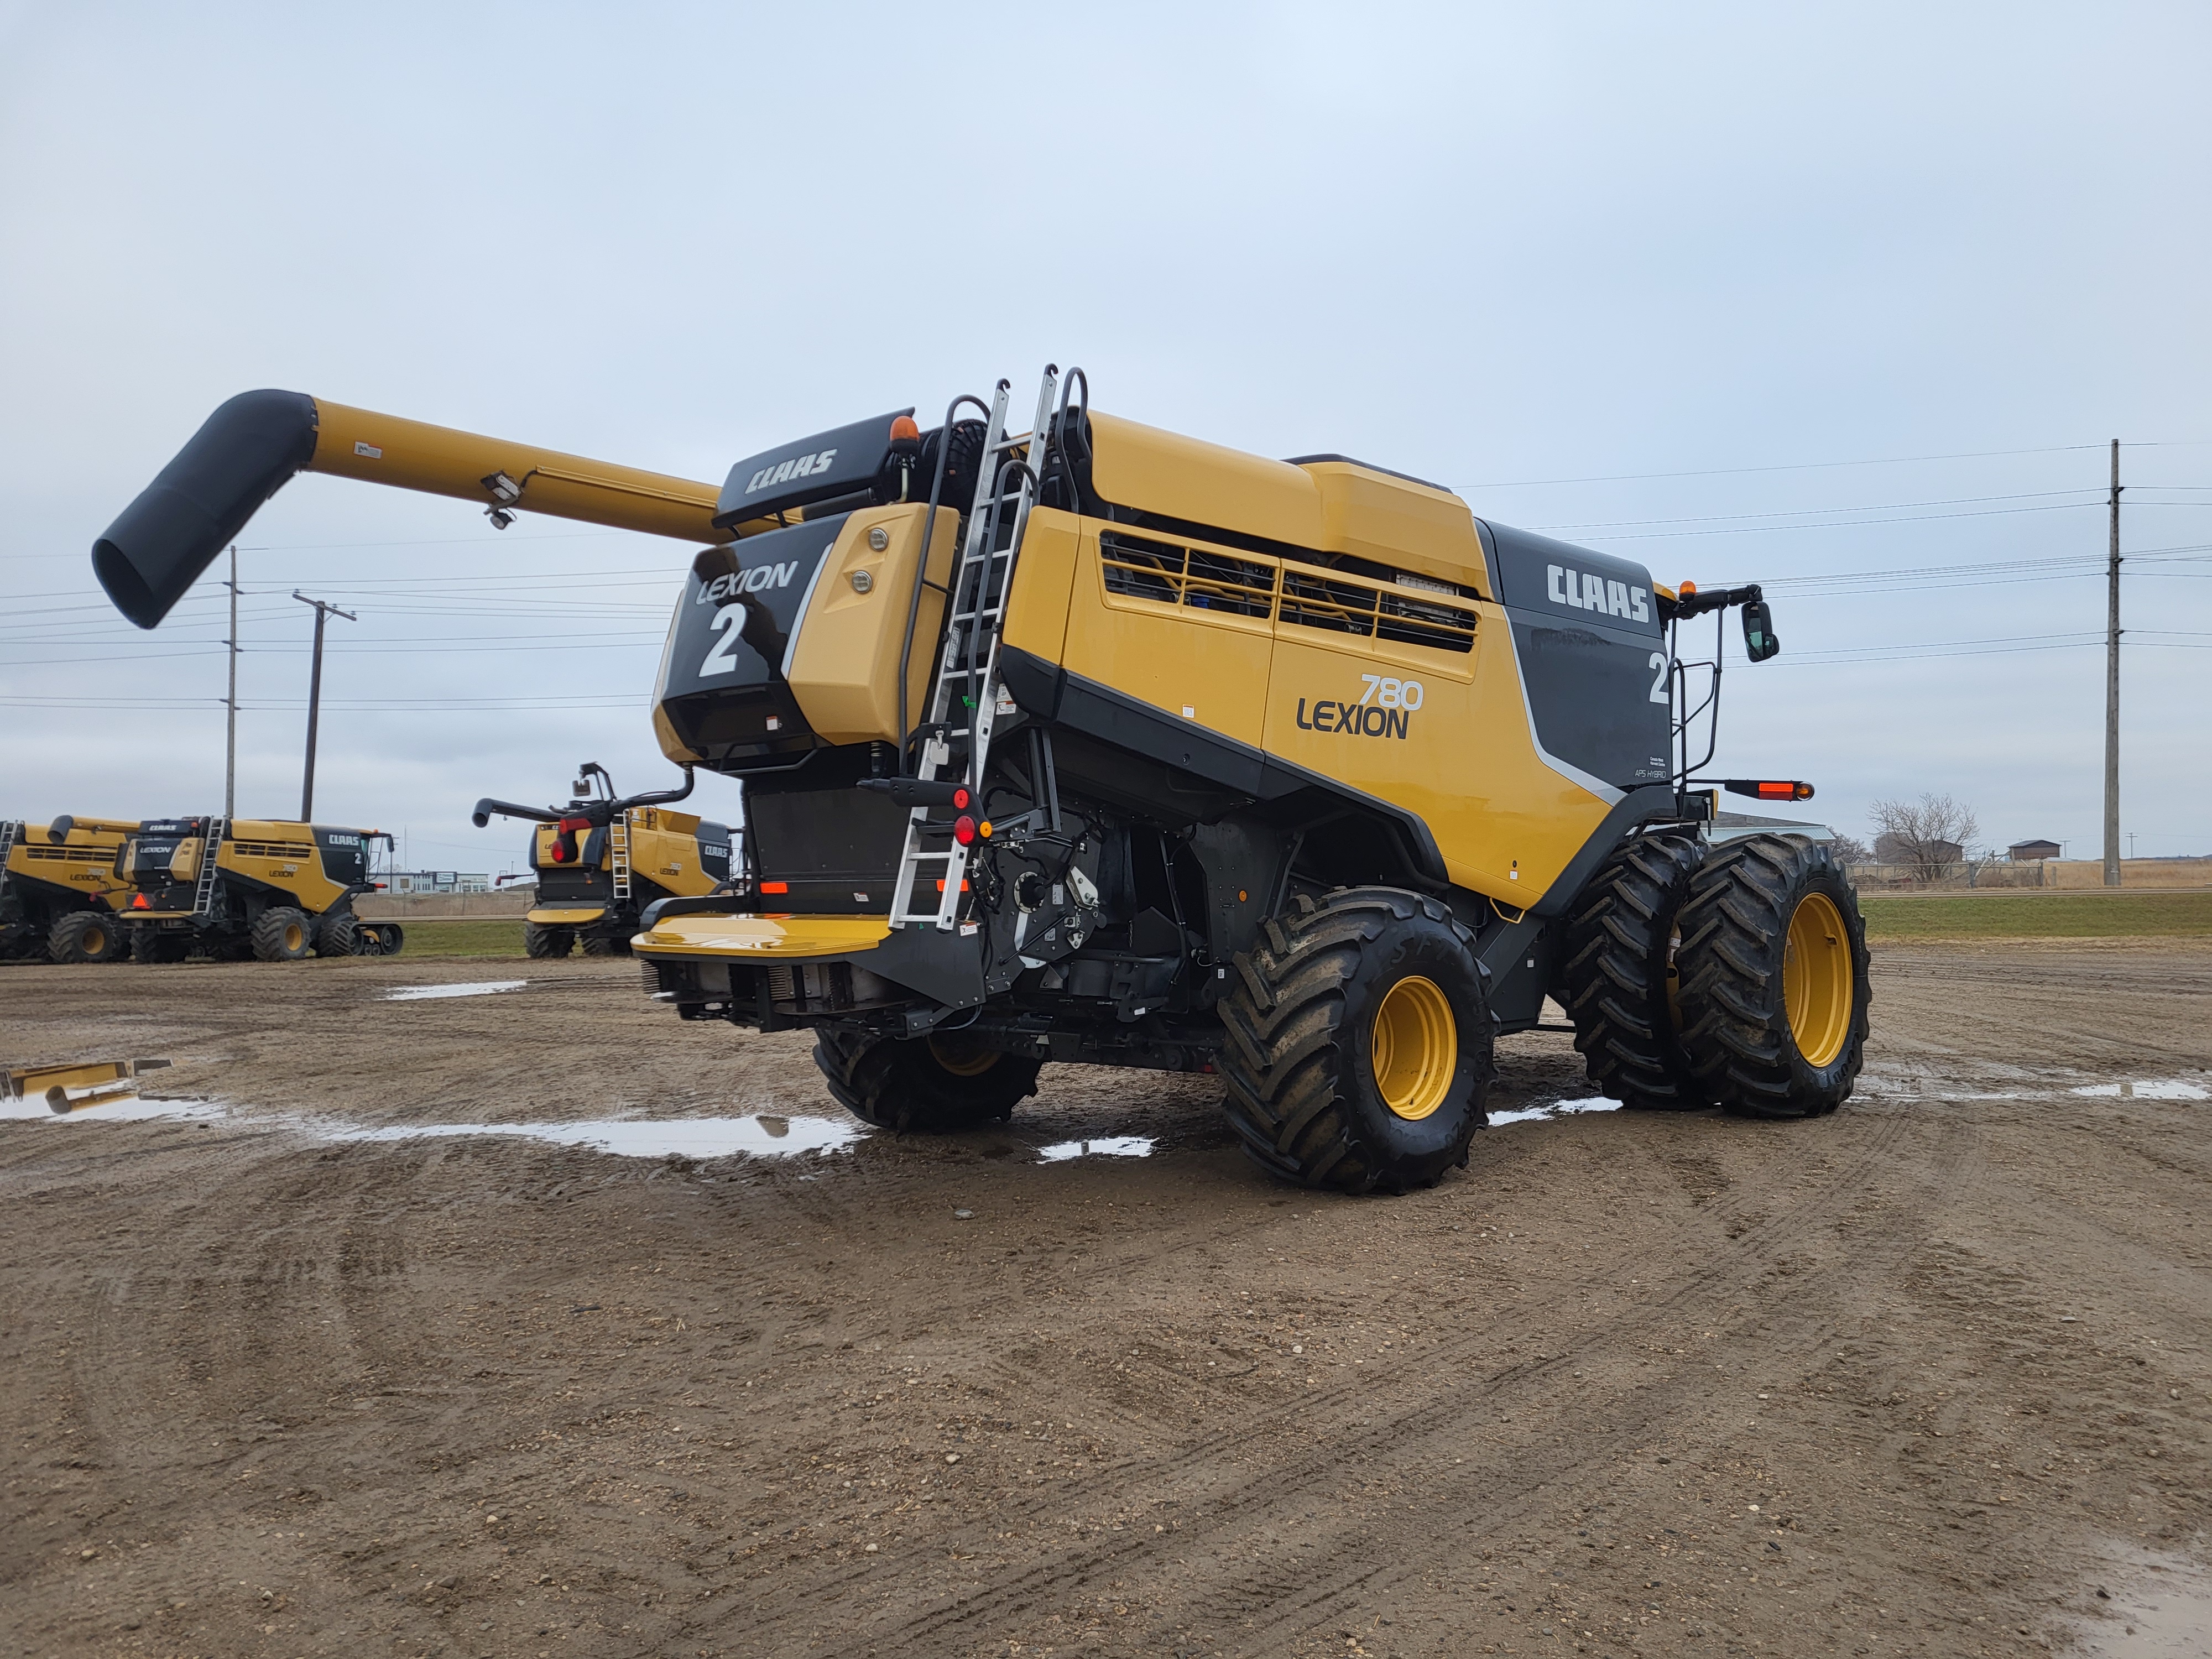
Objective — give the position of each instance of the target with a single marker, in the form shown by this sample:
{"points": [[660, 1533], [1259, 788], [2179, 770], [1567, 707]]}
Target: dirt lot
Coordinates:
{"points": [[1920, 1377]]}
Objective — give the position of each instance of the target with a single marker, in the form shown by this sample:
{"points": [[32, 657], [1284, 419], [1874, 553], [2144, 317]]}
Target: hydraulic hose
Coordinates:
{"points": [[251, 447]]}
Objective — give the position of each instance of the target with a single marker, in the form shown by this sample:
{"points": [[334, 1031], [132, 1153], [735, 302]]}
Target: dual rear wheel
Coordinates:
{"points": [[1734, 977]]}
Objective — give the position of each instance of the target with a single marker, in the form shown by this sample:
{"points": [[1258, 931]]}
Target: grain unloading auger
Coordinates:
{"points": [[1102, 745]]}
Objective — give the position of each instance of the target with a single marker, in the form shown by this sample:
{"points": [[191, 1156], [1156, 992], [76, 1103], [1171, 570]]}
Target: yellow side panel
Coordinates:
{"points": [[1463, 761], [279, 851], [1142, 466], [83, 860], [572, 918], [669, 859], [845, 672], [1036, 617], [1184, 653], [1398, 523]]}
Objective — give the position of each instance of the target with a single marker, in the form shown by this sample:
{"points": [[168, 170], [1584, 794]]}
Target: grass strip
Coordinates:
{"points": [[2038, 915]]}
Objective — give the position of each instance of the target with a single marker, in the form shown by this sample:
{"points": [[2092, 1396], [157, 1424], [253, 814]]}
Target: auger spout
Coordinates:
{"points": [[251, 446]]}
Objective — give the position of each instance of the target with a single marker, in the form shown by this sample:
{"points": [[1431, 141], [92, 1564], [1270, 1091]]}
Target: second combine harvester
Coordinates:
{"points": [[1098, 744]]}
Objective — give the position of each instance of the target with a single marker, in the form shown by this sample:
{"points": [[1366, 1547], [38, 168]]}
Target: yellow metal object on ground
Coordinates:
{"points": [[787, 938], [1416, 1048], [1817, 981], [100, 1078]]}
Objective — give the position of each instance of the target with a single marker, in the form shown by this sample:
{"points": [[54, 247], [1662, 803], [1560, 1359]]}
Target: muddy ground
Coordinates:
{"points": [[1919, 1377]]}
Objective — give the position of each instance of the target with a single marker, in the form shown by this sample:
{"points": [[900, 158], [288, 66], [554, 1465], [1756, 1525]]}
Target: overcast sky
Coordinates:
{"points": [[1746, 293]]}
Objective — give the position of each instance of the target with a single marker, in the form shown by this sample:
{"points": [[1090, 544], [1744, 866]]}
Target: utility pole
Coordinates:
{"points": [[323, 612], [230, 703], [2113, 689]]}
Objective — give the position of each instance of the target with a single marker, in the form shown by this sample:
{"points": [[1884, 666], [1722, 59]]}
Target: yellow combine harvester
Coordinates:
{"points": [[601, 860], [1094, 743], [275, 890], [58, 888]]}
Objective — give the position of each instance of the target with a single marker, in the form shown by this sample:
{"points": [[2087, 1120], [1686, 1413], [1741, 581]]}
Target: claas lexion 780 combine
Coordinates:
{"points": [[602, 859], [233, 888], [1098, 744]]}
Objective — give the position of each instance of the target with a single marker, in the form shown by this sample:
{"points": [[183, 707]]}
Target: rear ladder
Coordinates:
{"points": [[966, 690], [11, 831], [618, 856], [203, 885]]}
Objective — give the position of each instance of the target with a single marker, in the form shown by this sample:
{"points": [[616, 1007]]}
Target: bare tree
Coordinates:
{"points": [[1850, 850], [1928, 836]]}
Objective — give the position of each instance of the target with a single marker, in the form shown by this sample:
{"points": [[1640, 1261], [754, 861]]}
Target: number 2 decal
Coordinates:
{"points": [[1659, 686], [718, 660]]}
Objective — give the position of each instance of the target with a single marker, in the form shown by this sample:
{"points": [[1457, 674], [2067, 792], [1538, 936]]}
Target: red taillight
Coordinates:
{"points": [[964, 829], [775, 887]]}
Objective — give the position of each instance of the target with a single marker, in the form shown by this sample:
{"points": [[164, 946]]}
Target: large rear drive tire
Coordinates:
{"points": [[545, 944], [921, 1085], [1616, 979], [1359, 1037], [338, 934], [280, 934], [1774, 988], [83, 936], [605, 945]]}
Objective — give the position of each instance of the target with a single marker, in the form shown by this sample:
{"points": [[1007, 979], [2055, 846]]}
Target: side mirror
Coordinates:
{"points": [[1759, 640]]}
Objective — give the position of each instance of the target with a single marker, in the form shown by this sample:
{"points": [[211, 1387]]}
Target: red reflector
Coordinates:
{"points": [[961, 798], [963, 884], [964, 829], [1777, 791], [775, 887], [140, 904]]}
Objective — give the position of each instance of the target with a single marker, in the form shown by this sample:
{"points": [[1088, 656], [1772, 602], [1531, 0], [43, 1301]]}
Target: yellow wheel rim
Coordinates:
{"points": [[294, 937], [94, 940], [1816, 979], [1416, 1048], [963, 1058]]}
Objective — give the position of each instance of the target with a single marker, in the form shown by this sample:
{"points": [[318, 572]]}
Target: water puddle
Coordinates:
{"points": [[1111, 1147], [2159, 1608], [2157, 1088], [482, 988], [634, 1137], [1557, 1110], [108, 1109]]}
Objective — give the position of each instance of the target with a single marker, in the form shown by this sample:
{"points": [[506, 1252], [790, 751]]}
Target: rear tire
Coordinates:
{"points": [[1619, 956], [921, 1085], [150, 945], [605, 945], [280, 934], [86, 936], [392, 935], [1360, 1038], [1774, 988], [338, 934], [546, 944]]}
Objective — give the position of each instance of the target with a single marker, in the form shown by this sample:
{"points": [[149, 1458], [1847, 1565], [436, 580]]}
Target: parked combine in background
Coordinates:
{"points": [[57, 889], [600, 860], [274, 890]]}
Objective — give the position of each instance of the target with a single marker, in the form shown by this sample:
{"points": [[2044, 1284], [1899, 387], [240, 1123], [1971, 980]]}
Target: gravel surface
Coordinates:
{"points": [[283, 1380]]}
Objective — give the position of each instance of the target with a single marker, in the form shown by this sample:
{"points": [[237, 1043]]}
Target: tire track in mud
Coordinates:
{"points": [[1407, 1440]]}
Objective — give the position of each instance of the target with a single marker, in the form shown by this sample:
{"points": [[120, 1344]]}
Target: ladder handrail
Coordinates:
{"points": [[10, 829], [975, 621], [922, 566]]}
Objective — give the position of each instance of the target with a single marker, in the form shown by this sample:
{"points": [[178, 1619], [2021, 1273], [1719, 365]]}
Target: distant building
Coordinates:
{"points": [[2024, 851], [435, 881], [1889, 849], [1728, 826]]}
